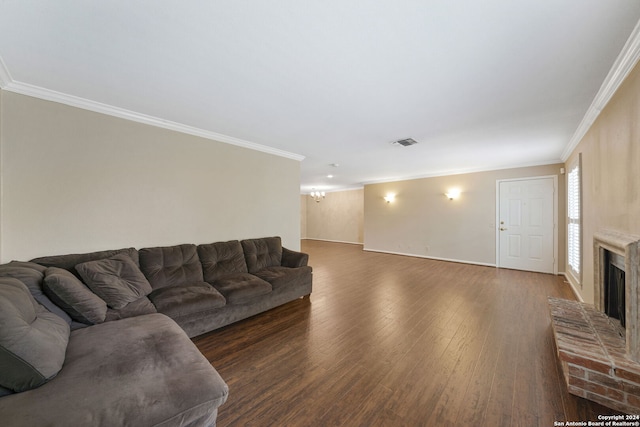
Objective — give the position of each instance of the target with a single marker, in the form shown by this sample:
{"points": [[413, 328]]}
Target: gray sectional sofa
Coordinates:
{"points": [[102, 338]]}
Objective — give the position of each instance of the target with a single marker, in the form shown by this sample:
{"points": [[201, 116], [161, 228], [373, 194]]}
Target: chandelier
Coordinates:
{"points": [[317, 195]]}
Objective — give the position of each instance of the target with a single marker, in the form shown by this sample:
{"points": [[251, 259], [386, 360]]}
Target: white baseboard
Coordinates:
{"points": [[460, 261], [574, 286], [332, 241]]}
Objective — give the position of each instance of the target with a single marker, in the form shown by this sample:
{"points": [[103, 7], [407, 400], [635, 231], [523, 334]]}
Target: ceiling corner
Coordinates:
{"points": [[5, 77], [625, 62]]}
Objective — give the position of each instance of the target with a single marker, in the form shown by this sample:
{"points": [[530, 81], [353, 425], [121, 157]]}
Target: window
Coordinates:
{"points": [[574, 223]]}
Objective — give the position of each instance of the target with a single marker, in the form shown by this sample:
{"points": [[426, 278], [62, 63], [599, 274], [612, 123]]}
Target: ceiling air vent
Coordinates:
{"points": [[406, 142]]}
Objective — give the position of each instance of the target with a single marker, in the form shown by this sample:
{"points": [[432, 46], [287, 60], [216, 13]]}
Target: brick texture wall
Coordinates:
{"points": [[593, 356]]}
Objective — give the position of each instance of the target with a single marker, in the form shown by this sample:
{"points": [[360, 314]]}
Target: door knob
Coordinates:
{"points": [[502, 229]]}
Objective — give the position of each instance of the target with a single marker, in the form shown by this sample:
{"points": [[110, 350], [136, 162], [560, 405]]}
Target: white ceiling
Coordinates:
{"points": [[479, 84]]}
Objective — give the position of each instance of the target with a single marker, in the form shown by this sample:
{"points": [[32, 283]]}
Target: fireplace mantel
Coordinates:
{"points": [[628, 246]]}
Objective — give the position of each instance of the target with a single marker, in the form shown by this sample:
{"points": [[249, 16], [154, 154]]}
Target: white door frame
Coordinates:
{"points": [[555, 216]]}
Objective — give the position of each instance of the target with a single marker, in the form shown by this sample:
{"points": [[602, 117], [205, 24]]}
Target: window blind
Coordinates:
{"points": [[574, 232]]}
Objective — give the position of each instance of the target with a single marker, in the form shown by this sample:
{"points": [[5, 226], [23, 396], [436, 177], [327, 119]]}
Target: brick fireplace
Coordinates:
{"points": [[600, 358]]}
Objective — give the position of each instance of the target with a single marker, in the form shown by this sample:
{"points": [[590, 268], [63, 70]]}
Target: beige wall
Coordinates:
{"points": [[338, 217], [423, 222], [303, 216], [1, 186], [76, 181], [610, 173]]}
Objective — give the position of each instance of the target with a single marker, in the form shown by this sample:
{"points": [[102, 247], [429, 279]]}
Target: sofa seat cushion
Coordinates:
{"points": [[140, 371], [241, 287], [117, 280], [179, 301], [280, 277], [33, 340]]}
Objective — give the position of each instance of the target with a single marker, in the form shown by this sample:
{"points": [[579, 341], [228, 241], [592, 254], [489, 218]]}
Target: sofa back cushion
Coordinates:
{"points": [[262, 253], [69, 262], [220, 259], [171, 265], [32, 275], [33, 341], [117, 280]]}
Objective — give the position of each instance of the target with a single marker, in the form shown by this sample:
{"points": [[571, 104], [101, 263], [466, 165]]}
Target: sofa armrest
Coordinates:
{"points": [[294, 259]]}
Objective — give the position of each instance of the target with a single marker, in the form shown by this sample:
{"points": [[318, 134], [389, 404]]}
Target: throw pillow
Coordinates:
{"points": [[117, 280], [32, 275], [137, 308], [33, 341], [73, 296]]}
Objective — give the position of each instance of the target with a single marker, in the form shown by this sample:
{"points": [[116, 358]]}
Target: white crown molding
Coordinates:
{"points": [[461, 171], [305, 190], [5, 77], [6, 83], [624, 63]]}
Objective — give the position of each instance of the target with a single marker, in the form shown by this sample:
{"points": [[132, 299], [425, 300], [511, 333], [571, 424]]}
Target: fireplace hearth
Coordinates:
{"points": [[599, 345]]}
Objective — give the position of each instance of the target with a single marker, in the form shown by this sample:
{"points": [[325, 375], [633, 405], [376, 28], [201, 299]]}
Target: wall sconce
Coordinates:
{"points": [[453, 193], [389, 198], [317, 195]]}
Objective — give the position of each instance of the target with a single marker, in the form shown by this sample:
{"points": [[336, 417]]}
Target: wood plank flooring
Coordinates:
{"points": [[388, 340]]}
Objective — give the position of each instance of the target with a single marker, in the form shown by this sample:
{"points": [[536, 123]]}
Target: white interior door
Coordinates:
{"points": [[526, 224]]}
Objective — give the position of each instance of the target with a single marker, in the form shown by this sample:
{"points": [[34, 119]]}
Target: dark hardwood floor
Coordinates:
{"points": [[387, 340]]}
